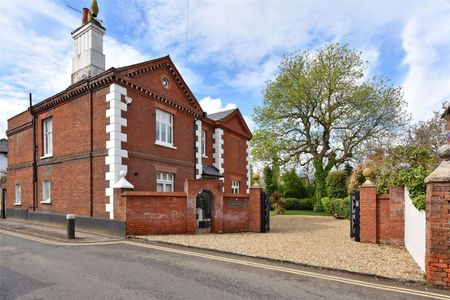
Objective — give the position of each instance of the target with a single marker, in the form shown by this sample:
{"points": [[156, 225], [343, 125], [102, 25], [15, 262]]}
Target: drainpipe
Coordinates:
{"points": [[91, 176], [33, 122]]}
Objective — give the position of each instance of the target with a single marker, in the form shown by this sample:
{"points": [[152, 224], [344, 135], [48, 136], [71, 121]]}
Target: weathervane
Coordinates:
{"points": [[88, 14], [93, 11]]}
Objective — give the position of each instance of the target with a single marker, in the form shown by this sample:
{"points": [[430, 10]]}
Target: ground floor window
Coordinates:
{"points": [[235, 187], [46, 191], [18, 198], [164, 182]]}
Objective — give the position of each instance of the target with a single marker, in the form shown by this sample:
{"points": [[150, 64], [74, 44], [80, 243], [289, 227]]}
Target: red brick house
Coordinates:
{"points": [[143, 120]]}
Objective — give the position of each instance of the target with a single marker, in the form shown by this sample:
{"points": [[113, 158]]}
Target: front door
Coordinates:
{"points": [[203, 211]]}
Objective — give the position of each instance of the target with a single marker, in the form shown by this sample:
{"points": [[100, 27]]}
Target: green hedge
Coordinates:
{"points": [[337, 206], [298, 204]]}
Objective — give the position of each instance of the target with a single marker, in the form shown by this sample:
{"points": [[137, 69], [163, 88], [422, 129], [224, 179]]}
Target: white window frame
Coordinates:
{"points": [[47, 137], [164, 120], [165, 182], [18, 194], [204, 143], [235, 186], [46, 191]]}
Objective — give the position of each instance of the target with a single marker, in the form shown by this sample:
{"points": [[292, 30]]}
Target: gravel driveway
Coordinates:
{"points": [[318, 241]]}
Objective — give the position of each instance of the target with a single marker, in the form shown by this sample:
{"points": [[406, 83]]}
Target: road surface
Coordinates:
{"points": [[31, 269]]}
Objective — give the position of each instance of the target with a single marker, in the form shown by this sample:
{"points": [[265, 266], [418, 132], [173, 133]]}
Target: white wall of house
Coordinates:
{"points": [[415, 231]]}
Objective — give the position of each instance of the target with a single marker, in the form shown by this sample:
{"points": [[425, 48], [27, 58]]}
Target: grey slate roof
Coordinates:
{"points": [[210, 172], [3, 146], [220, 115]]}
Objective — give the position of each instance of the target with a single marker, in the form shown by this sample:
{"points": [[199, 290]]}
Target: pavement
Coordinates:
{"points": [[51, 231]]}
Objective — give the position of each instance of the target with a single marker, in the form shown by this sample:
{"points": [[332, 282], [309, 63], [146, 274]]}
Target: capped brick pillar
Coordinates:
{"points": [[437, 257], [368, 210], [254, 213]]}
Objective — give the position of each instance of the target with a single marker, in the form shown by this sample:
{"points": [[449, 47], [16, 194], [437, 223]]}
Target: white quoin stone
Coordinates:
{"points": [[114, 145], [248, 166], [198, 146], [218, 150], [89, 59]]}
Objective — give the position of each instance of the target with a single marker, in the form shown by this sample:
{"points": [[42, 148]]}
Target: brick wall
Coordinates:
{"points": [[152, 213], [174, 213], [235, 213], [383, 225], [382, 216], [437, 259]]}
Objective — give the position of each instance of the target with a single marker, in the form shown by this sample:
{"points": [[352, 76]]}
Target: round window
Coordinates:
{"points": [[165, 82]]}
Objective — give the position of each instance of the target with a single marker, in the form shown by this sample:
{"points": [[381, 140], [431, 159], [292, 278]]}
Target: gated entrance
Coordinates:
{"points": [[265, 212], [3, 212], [203, 211], [354, 216]]}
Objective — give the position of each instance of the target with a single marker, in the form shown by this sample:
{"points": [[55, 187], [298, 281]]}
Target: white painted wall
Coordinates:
{"points": [[3, 162], [415, 231]]}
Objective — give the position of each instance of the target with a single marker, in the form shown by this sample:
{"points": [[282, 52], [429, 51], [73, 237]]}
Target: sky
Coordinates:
{"points": [[227, 50]]}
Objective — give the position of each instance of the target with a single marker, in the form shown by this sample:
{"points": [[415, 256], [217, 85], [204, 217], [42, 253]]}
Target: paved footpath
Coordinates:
{"points": [[33, 267]]}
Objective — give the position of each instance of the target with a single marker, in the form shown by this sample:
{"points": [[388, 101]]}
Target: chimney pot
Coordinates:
{"points": [[85, 15]]}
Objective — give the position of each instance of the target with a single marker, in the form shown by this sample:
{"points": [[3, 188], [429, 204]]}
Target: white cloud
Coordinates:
{"points": [[426, 43], [211, 105]]}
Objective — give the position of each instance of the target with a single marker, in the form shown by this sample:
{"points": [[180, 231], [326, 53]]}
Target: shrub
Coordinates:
{"points": [[318, 206], [277, 203], [414, 180], [298, 204], [337, 206], [337, 184]]}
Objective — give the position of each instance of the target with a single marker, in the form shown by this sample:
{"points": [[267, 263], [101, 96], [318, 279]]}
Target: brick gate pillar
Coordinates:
{"points": [[368, 210], [254, 213], [437, 256]]}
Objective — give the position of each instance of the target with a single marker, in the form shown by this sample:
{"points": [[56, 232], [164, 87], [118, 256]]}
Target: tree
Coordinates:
{"points": [[271, 178], [293, 186], [320, 110], [429, 133], [337, 184]]}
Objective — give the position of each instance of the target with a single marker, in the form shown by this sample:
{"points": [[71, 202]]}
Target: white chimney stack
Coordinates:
{"points": [[89, 59]]}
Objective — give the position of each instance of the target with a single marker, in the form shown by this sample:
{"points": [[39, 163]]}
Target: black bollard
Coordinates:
{"points": [[70, 226]]}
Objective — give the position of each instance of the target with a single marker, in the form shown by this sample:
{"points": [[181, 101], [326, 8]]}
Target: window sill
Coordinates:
{"points": [[46, 156], [17, 204], [46, 202], [165, 145]]}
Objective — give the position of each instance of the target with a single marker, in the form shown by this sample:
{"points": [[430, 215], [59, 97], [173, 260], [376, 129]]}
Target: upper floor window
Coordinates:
{"points": [[47, 138], [46, 191], [235, 187], [164, 182], [164, 128], [204, 143], [18, 198]]}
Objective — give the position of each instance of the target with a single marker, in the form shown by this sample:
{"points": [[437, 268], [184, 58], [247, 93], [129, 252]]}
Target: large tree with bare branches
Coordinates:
{"points": [[321, 109]]}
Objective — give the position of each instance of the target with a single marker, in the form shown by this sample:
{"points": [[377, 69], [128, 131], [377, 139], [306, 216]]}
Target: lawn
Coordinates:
{"points": [[302, 212]]}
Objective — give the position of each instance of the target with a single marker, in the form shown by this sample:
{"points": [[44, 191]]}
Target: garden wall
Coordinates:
{"points": [[152, 213], [415, 229], [382, 216], [146, 213], [235, 213]]}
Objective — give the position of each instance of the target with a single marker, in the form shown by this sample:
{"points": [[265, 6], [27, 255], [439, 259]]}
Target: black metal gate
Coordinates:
{"points": [[3, 212], [354, 216], [265, 212]]}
